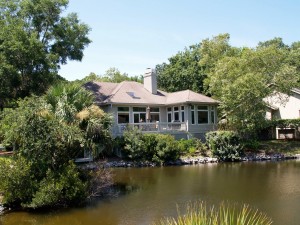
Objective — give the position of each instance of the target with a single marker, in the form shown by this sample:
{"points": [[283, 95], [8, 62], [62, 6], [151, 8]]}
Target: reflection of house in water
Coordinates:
{"points": [[282, 106], [152, 110]]}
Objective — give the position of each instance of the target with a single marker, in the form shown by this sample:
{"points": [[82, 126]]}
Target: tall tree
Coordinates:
{"points": [[242, 80], [35, 39], [182, 72]]}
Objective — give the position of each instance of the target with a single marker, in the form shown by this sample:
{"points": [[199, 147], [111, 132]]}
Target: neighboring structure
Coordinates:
{"points": [[133, 104], [283, 106]]}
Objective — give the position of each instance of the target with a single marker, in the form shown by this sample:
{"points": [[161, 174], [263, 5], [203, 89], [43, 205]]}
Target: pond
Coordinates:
{"points": [[153, 193]]}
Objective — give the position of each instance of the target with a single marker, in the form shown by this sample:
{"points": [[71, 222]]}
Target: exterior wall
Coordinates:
{"points": [[288, 106], [195, 130]]}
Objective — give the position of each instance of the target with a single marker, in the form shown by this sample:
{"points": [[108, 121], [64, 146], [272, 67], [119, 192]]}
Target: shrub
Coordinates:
{"points": [[153, 147], [17, 185], [60, 188], [191, 146], [134, 148], [199, 214], [150, 143], [166, 149], [225, 145]]}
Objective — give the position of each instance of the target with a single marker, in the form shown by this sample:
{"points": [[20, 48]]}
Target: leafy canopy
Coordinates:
{"points": [[35, 39]]}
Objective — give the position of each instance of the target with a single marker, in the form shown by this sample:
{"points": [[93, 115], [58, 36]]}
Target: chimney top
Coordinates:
{"points": [[150, 82]]}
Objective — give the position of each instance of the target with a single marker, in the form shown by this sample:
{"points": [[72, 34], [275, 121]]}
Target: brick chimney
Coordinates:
{"points": [[150, 82]]}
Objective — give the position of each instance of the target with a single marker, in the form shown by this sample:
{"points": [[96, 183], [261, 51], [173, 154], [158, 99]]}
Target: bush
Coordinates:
{"points": [[225, 145], [150, 143], [151, 147], [166, 149], [60, 188], [134, 148], [16, 183], [192, 146]]}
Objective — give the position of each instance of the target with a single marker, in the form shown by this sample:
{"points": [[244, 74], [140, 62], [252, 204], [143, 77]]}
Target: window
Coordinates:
{"points": [[139, 114], [154, 115], [202, 113], [123, 114], [182, 113], [193, 114], [169, 109], [176, 114], [212, 114]]}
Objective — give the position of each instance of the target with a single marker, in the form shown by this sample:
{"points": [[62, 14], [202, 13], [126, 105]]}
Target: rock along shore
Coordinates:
{"points": [[189, 160]]}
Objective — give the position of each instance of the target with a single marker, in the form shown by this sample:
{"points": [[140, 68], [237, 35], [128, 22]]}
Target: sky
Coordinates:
{"points": [[132, 35]]}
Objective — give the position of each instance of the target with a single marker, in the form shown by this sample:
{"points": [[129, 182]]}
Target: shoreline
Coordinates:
{"points": [[186, 160]]}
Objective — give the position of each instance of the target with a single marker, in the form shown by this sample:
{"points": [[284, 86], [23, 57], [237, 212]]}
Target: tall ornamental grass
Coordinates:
{"points": [[225, 214]]}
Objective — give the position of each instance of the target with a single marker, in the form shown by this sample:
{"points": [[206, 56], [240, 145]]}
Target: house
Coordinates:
{"points": [[181, 113], [283, 106]]}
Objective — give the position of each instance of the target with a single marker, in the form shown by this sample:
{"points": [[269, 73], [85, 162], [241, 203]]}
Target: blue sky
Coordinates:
{"points": [[132, 35]]}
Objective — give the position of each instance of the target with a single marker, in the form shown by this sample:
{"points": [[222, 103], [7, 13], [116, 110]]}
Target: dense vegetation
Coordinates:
{"points": [[158, 148], [239, 77], [47, 133]]}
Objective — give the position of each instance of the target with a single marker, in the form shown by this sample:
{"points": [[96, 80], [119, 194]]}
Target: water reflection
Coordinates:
{"points": [[147, 194]]}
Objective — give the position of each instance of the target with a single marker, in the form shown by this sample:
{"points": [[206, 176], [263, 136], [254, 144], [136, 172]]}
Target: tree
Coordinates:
{"points": [[35, 39], [182, 72], [242, 80], [115, 76]]}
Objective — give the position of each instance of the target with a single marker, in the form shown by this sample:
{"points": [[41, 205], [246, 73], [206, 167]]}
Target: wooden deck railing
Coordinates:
{"points": [[158, 127]]}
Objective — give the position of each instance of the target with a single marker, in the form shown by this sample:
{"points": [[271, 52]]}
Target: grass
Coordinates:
{"points": [[287, 147], [225, 214]]}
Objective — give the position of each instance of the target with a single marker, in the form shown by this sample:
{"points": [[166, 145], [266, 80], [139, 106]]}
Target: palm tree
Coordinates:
{"points": [[71, 103]]}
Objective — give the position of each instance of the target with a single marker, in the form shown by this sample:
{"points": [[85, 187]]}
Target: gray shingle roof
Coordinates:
{"points": [[133, 93]]}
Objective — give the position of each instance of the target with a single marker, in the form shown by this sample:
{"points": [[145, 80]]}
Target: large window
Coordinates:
{"points": [[154, 115], [202, 112], [139, 114], [176, 114], [123, 114]]}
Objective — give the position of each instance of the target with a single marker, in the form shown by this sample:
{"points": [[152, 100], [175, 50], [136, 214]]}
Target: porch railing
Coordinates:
{"points": [[158, 127]]}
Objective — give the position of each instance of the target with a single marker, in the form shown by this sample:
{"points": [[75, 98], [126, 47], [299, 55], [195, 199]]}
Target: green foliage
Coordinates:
{"points": [[182, 72], [199, 214], [150, 142], [134, 148], [293, 123], [166, 149], [67, 99], [60, 188], [158, 148], [45, 143], [225, 145], [111, 75], [17, 181], [242, 77], [35, 40], [191, 146], [39, 136]]}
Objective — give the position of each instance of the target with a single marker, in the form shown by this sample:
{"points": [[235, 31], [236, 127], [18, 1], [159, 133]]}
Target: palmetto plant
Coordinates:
{"points": [[73, 104], [225, 214], [68, 99]]}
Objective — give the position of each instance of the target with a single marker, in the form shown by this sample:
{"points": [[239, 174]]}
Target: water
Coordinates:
{"points": [[153, 193]]}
